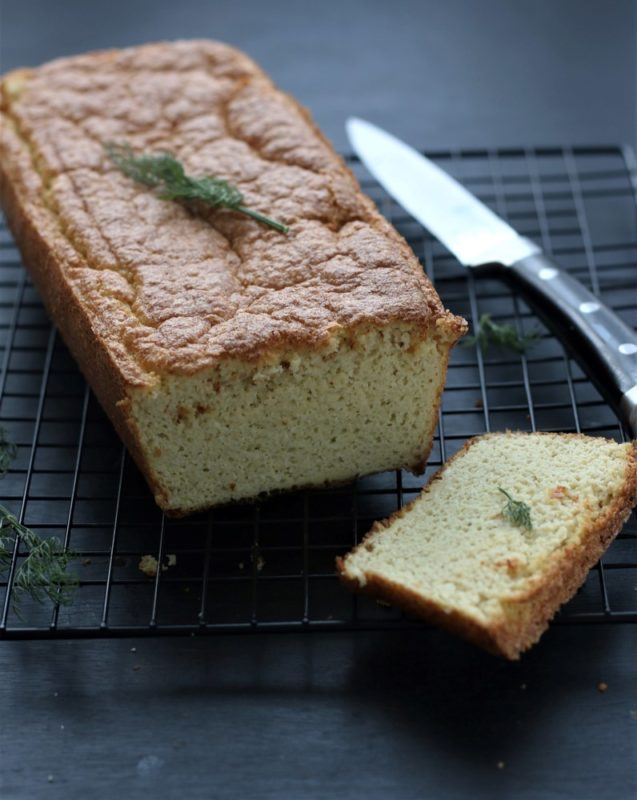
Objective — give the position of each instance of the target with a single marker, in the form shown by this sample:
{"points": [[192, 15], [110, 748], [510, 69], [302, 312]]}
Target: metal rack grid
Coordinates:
{"points": [[270, 566]]}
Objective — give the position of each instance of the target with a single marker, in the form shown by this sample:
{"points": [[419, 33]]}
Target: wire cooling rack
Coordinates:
{"points": [[270, 566]]}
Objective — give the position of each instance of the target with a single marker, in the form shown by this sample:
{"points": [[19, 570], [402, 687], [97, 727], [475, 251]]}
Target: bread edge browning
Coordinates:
{"points": [[103, 375], [524, 618]]}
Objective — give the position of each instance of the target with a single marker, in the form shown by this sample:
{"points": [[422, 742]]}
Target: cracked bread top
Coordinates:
{"points": [[168, 291]]}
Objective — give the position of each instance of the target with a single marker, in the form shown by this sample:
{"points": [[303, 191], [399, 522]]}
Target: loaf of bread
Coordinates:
{"points": [[233, 360], [467, 557]]}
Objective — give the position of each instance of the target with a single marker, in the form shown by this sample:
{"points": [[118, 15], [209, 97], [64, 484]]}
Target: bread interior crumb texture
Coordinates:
{"points": [[356, 406]]}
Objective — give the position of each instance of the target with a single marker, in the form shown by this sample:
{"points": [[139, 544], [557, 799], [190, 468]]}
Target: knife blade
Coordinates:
{"points": [[596, 336]]}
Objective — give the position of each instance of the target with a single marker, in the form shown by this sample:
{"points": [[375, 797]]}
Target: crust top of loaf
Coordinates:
{"points": [[168, 291]]}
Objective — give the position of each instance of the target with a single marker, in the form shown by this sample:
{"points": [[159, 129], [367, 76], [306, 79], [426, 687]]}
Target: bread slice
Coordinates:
{"points": [[232, 359], [453, 557]]}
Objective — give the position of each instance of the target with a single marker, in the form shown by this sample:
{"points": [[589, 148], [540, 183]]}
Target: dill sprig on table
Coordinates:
{"points": [[516, 512], [43, 572], [501, 335], [8, 451], [164, 172]]}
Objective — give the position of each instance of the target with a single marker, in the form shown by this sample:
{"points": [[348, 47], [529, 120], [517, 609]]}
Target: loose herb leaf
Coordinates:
{"points": [[43, 573], [516, 512], [502, 335], [165, 173], [8, 451]]}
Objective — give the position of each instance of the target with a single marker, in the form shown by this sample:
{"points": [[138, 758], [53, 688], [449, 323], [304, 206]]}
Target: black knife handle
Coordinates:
{"points": [[604, 345]]}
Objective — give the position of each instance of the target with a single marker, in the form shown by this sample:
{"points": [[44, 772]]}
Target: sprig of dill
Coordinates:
{"points": [[516, 512], [43, 573], [501, 335], [164, 172], [8, 451]]}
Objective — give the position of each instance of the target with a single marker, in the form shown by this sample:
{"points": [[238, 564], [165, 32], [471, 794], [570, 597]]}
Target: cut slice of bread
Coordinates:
{"points": [[454, 557]]}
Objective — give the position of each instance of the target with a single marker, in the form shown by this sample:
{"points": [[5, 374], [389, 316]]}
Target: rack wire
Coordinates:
{"points": [[270, 566]]}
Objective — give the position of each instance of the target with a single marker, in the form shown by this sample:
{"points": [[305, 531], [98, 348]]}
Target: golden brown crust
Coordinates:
{"points": [[527, 616], [163, 291]]}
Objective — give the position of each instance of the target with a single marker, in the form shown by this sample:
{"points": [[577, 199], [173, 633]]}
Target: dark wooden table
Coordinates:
{"points": [[370, 715]]}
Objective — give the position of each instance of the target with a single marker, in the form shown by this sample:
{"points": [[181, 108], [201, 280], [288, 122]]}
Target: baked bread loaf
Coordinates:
{"points": [[232, 359], [456, 557]]}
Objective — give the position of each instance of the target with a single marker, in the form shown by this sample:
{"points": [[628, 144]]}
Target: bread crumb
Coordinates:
{"points": [[148, 564], [602, 687], [133, 649]]}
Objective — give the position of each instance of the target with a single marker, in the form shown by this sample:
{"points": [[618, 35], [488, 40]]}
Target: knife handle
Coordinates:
{"points": [[598, 338]]}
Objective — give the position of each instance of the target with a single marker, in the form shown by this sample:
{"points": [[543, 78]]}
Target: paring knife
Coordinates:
{"points": [[603, 344]]}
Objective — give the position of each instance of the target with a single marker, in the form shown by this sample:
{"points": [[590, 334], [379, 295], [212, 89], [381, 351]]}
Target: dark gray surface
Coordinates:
{"points": [[441, 74], [368, 716], [371, 715]]}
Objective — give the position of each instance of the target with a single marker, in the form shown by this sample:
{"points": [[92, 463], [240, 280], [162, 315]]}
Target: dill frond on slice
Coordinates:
{"points": [[516, 512]]}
